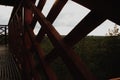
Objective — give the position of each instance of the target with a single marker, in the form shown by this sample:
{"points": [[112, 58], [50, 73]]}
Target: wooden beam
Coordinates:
{"points": [[3, 25], [109, 8], [74, 63], [50, 75], [54, 12], [8, 2], [15, 10], [90, 22], [40, 7]]}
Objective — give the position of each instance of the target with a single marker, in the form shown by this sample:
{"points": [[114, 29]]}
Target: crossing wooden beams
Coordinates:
{"points": [[74, 63], [63, 47], [90, 22]]}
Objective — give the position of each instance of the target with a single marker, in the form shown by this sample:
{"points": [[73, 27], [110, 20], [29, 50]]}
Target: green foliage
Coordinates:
{"points": [[111, 63], [114, 31], [46, 45], [93, 53], [101, 55]]}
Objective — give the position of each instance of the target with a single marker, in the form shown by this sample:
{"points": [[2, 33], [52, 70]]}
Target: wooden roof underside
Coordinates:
{"points": [[8, 2], [106, 8]]}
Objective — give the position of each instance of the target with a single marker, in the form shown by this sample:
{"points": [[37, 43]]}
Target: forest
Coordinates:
{"points": [[101, 55]]}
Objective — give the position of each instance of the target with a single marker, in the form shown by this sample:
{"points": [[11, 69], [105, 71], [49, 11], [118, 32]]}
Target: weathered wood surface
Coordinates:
{"points": [[8, 69], [115, 78]]}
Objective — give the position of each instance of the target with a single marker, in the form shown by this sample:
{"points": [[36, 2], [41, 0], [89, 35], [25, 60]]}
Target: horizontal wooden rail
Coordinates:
{"points": [[4, 25]]}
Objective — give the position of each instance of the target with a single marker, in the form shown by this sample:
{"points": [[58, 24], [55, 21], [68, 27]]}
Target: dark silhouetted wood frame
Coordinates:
{"points": [[24, 44]]}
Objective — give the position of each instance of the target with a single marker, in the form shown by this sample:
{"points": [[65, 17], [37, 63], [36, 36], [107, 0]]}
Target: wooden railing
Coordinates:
{"points": [[25, 45], [3, 34]]}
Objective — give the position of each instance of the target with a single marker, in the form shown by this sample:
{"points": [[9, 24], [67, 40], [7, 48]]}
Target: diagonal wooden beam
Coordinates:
{"points": [[54, 12], [36, 46], [50, 75], [109, 8], [90, 22], [74, 63], [40, 6], [88, 3], [15, 10]]}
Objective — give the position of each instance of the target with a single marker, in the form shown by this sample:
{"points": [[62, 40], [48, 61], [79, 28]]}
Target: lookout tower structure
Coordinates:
{"points": [[25, 45]]}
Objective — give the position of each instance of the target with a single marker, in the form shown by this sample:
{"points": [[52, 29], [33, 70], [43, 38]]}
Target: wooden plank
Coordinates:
{"points": [[56, 9], [40, 7], [3, 25], [15, 10], [7, 65], [30, 60], [8, 2], [74, 63], [54, 12], [49, 73], [41, 35], [109, 8], [90, 22], [40, 53]]}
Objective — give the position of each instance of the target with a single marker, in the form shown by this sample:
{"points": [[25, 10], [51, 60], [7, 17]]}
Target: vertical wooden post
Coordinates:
{"points": [[27, 20], [30, 64], [5, 35]]}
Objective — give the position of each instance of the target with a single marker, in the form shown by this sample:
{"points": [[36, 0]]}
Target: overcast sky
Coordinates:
{"points": [[71, 15], [5, 12]]}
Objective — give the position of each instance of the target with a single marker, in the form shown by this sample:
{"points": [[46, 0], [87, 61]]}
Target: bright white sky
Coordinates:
{"points": [[71, 14]]}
